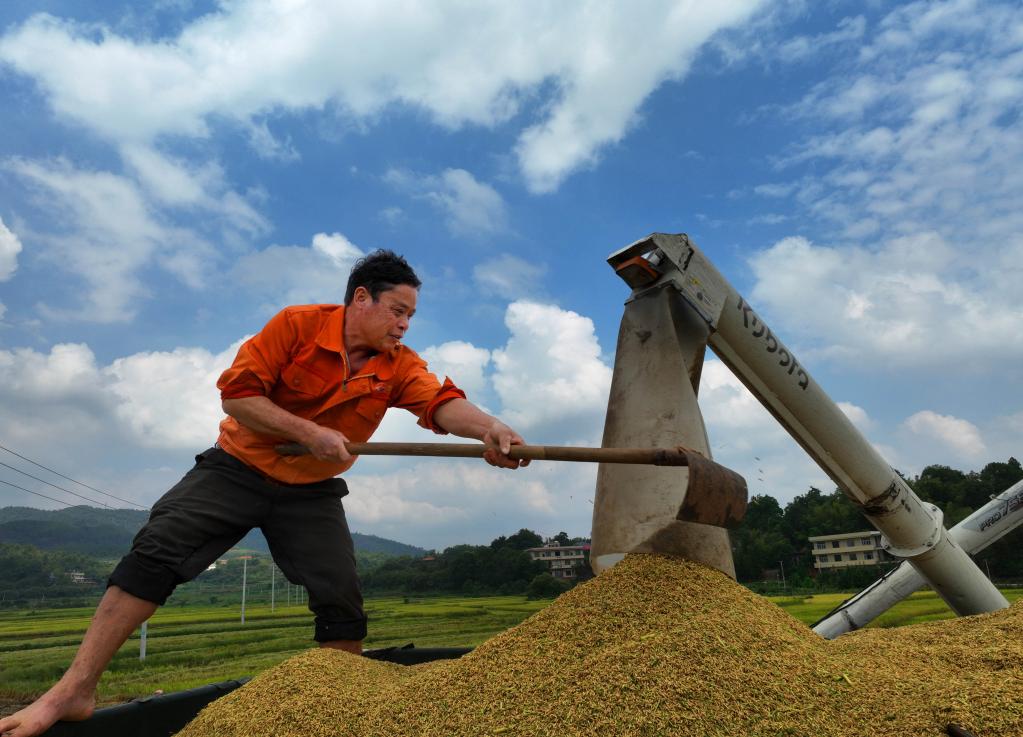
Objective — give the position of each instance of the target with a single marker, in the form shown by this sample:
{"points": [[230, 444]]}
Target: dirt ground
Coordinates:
{"points": [[9, 706]]}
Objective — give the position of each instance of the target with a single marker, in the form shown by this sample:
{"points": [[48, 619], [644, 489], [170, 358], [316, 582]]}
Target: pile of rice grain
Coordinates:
{"points": [[655, 646]]}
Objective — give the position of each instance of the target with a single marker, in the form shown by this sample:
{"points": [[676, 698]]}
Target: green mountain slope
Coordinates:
{"points": [[109, 532]]}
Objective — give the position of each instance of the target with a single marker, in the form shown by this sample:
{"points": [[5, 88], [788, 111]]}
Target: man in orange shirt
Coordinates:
{"points": [[318, 375]]}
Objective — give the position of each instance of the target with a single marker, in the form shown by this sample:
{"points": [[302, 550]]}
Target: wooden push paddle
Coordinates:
{"points": [[715, 495]]}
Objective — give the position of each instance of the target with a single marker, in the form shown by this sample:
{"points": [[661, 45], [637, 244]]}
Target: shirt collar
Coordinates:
{"points": [[331, 337]]}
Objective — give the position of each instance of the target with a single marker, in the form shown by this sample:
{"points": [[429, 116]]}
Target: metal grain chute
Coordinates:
{"points": [[679, 305]]}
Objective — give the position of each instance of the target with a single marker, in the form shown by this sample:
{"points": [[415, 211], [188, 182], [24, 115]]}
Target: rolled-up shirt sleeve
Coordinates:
{"points": [[260, 359], [445, 394], [422, 395]]}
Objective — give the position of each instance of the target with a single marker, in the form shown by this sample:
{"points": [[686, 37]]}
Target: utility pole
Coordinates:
{"points": [[782, 564], [245, 575], [142, 640]]}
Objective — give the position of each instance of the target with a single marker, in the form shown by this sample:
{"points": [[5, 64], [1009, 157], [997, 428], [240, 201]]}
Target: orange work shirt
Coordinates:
{"points": [[299, 362]]}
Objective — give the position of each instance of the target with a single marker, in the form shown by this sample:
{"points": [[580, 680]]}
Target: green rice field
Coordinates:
{"points": [[194, 645]]}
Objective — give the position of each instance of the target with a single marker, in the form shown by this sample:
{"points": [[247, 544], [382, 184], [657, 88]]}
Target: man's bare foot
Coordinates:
{"points": [[74, 697], [58, 703]]}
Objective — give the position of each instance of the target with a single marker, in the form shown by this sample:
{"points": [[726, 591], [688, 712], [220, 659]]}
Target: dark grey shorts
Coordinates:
{"points": [[216, 504]]}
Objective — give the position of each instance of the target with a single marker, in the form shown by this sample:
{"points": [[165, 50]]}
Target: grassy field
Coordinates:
{"points": [[192, 646]]}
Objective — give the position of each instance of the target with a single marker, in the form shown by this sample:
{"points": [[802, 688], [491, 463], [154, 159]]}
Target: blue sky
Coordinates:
{"points": [[171, 176]]}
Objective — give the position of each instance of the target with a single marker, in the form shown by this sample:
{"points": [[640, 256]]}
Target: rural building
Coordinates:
{"points": [[213, 566], [561, 559], [848, 549]]}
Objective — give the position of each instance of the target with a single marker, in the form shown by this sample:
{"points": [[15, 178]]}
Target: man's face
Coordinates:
{"points": [[383, 323]]}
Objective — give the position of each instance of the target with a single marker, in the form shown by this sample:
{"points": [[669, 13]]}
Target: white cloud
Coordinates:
{"points": [[339, 249], [850, 31], [105, 229], [156, 408], [109, 233], [549, 379], [463, 362], [539, 400], [470, 207], [391, 499], [392, 215], [959, 437], [747, 439], [550, 375], [729, 406], [857, 415], [145, 413], [775, 190], [141, 416], [473, 207], [175, 183], [164, 400], [439, 502], [284, 275], [170, 399], [54, 400], [940, 148], [68, 371], [771, 218], [168, 180], [510, 277], [462, 64], [913, 301], [128, 428], [10, 247], [268, 146], [915, 169], [914, 23], [609, 81]]}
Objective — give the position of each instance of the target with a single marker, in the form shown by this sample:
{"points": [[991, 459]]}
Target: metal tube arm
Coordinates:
{"points": [[759, 359]]}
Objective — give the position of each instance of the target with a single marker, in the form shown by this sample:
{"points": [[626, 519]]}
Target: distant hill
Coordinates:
{"points": [[109, 532], [103, 533], [101, 541], [374, 544], [129, 520]]}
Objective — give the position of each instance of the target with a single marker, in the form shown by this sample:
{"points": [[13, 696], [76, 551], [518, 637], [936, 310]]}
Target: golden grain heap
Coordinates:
{"points": [[655, 646]]}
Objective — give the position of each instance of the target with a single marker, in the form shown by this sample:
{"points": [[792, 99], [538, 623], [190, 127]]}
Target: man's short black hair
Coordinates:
{"points": [[378, 272]]}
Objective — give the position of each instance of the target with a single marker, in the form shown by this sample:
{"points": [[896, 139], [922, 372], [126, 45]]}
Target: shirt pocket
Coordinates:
{"points": [[301, 380], [372, 409]]}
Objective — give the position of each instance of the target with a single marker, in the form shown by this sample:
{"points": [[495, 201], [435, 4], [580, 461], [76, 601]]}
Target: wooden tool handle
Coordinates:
{"points": [[715, 495], [646, 456]]}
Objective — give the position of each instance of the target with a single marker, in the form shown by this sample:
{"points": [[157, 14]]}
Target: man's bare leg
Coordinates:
{"points": [[73, 698], [349, 646]]}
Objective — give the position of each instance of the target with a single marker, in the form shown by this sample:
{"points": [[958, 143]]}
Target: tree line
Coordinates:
{"points": [[28, 572], [770, 538], [32, 577], [773, 538], [502, 567]]}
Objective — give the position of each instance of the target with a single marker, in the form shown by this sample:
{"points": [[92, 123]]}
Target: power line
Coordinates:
{"points": [[36, 493], [57, 473], [67, 491]]}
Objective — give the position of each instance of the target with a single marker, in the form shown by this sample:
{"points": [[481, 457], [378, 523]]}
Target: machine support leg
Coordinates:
{"points": [[652, 404]]}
